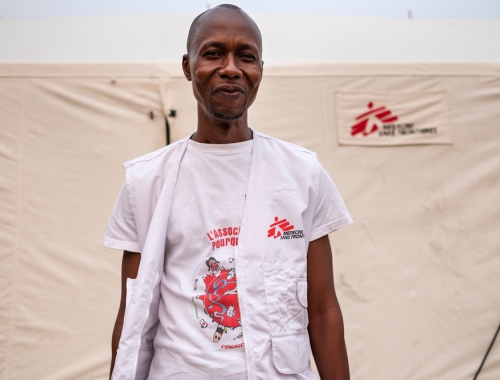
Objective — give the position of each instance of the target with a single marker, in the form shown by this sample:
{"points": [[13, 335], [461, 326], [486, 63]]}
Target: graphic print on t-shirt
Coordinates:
{"points": [[220, 302], [223, 237]]}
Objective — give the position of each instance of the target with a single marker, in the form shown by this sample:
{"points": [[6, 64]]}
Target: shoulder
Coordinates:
{"points": [[275, 144], [291, 161], [154, 158], [146, 175]]}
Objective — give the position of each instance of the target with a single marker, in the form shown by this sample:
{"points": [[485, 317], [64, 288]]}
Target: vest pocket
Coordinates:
{"points": [[302, 291], [290, 352], [286, 297]]}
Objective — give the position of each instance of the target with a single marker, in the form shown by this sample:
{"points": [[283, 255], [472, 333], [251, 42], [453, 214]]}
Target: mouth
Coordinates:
{"points": [[229, 90]]}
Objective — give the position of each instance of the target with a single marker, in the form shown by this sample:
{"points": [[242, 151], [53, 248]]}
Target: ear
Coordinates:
{"points": [[185, 67]]}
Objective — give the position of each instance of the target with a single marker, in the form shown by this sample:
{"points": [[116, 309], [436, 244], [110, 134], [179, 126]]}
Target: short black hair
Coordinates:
{"points": [[196, 22]]}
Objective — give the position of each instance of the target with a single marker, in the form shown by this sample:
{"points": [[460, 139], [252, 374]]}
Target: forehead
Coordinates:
{"points": [[227, 25]]}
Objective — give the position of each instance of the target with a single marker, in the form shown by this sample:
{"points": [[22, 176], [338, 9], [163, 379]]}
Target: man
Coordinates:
{"points": [[227, 197]]}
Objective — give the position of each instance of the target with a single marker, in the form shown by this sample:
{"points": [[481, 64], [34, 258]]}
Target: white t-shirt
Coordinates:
{"points": [[199, 335]]}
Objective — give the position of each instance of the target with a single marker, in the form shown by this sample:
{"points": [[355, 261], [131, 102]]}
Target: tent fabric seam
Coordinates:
{"points": [[325, 123], [323, 70]]}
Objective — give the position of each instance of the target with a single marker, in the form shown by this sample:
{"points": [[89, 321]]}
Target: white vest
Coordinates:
{"points": [[271, 263]]}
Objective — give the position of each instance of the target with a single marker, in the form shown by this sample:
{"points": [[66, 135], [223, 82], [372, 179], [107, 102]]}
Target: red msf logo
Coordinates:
{"points": [[369, 121], [283, 225]]}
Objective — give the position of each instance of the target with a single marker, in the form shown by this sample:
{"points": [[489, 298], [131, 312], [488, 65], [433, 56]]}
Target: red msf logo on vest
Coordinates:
{"points": [[284, 230], [370, 121]]}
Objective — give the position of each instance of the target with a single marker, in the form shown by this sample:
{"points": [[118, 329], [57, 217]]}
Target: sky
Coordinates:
{"points": [[422, 9]]}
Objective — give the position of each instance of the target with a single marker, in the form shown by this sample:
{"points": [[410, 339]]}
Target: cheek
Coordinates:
{"points": [[254, 77], [201, 73], [254, 87], [200, 85]]}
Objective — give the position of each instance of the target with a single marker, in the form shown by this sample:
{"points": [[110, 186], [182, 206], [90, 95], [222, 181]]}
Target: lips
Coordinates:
{"points": [[228, 90]]}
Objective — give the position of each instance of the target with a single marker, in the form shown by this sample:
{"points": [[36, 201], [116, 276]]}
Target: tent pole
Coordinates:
{"points": [[173, 113], [487, 352], [167, 131]]}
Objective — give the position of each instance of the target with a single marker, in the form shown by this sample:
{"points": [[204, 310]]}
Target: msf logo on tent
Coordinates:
{"points": [[284, 230], [371, 121]]}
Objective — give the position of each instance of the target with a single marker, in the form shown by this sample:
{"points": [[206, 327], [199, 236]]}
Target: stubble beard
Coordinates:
{"points": [[225, 116]]}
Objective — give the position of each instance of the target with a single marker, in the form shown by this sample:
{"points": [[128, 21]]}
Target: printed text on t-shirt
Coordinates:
{"points": [[224, 237]]}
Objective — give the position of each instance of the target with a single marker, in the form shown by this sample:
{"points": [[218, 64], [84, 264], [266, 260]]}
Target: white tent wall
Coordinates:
{"points": [[62, 142], [416, 274], [426, 247]]}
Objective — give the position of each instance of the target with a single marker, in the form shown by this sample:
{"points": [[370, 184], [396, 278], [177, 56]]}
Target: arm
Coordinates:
{"points": [[130, 267], [326, 328]]}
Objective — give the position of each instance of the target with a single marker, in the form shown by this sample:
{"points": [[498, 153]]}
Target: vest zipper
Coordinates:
{"points": [[144, 324], [241, 317]]}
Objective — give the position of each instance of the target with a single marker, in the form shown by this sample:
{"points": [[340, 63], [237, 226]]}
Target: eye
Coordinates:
{"points": [[247, 57], [212, 54]]}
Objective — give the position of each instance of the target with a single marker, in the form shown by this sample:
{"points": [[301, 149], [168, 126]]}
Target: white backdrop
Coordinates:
{"points": [[417, 273]]}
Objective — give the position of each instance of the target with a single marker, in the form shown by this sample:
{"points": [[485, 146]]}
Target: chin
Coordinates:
{"points": [[228, 115]]}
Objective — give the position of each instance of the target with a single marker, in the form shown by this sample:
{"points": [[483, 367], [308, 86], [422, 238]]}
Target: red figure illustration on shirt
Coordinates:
{"points": [[221, 299]]}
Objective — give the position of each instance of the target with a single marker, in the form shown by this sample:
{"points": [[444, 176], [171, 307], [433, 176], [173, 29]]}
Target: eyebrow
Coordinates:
{"points": [[217, 44], [222, 45]]}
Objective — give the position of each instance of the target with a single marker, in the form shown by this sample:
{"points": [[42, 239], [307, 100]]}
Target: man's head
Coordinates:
{"points": [[224, 61]]}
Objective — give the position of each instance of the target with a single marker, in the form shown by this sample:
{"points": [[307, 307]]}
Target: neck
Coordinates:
{"points": [[217, 131]]}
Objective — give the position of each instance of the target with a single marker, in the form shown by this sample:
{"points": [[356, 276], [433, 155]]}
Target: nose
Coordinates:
{"points": [[229, 68]]}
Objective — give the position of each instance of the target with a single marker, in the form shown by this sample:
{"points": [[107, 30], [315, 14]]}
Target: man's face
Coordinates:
{"points": [[224, 63]]}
